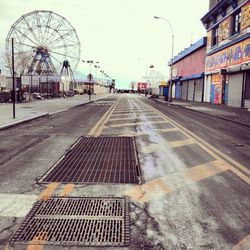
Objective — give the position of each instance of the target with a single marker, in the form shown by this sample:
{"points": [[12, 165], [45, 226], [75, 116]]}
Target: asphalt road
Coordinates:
{"points": [[195, 172]]}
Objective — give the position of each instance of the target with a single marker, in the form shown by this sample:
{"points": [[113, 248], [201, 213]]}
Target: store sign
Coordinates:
{"points": [[232, 55]]}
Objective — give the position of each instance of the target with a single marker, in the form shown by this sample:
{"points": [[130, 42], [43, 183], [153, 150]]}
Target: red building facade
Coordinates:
{"points": [[188, 72], [193, 64]]}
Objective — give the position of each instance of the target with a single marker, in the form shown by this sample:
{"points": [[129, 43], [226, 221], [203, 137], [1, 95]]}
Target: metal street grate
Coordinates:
{"points": [[97, 160], [80, 221]]}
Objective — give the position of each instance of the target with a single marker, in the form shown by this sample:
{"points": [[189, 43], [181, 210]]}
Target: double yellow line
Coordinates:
{"points": [[237, 168]]}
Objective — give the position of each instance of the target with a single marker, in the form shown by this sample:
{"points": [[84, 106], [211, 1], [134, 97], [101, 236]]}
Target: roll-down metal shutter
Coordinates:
{"points": [[235, 90], [191, 90], [198, 90]]}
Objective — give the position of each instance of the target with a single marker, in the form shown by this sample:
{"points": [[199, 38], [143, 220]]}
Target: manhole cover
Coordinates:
{"points": [[76, 221], [97, 160]]}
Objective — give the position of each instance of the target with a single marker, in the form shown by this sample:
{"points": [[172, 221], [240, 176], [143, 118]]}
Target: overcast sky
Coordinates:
{"points": [[121, 34]]}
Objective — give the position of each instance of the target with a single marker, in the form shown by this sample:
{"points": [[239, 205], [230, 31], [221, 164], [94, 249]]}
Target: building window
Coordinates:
{"points": [[215, 36], [236, 23]]}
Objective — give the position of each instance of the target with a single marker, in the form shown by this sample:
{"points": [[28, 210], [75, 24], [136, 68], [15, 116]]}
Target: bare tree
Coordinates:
{"points": [[22, 62]]}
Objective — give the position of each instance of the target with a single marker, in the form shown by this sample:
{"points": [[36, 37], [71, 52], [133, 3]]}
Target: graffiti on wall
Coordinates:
{"points": [[215, 92], [233, 55], [245, 23]]}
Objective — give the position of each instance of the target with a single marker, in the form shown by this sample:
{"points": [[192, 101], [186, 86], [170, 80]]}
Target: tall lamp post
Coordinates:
{"points": [[90, 77], [151, 82], [172, 57], [13, 80]]}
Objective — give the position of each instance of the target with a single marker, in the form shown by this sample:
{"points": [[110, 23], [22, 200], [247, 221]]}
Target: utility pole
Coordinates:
{"points": [[13, 81]]}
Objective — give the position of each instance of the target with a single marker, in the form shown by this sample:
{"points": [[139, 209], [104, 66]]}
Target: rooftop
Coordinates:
{"points": [[200, 43]]}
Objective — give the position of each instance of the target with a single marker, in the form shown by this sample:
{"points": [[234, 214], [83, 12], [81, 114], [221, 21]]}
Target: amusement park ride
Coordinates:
{"points": [[44, 44]]}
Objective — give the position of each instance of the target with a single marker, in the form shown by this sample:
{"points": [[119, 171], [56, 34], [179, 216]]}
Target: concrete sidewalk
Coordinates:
{"points": [[35, 109], [237, 115]]}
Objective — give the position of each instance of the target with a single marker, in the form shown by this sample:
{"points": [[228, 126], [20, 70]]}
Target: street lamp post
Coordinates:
{"points": [[172, 57], [96, 66], [13, 80], [90, 75], [151, 82]]}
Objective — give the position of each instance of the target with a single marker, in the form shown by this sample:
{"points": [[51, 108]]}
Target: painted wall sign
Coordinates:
{"points": [[233, 55], [245, 23], [224, 29], [209, 39]]}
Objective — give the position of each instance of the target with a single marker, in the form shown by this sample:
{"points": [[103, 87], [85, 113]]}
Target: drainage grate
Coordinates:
{"points": [[97, 160], [81, 221]]}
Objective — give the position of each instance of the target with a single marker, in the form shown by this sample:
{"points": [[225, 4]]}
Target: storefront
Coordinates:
{"points": [[188, 72], [190, 88], [247, 90], [163, 89], [228, 75]]}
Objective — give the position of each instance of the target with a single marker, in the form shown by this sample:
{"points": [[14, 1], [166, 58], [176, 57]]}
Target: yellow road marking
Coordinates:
{"points": [[127, 114], [209, 148], [129, 109], [7, 247], [240, 174], [67, 189], [134, 124], [172, 182], [206, 170], [175, 144], [122, 119], [38, 241], [131, 118], [142, 192], [139, 133], [243, 244], [97, 129], [132, 111], [48, 191], [153, 147]]}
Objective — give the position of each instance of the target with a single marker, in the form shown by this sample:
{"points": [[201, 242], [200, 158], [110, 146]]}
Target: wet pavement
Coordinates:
{"points": [[191, 196]]}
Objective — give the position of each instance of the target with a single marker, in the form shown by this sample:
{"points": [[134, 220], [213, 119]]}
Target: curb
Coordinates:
{"points": [[15, 123], [204, 113]]}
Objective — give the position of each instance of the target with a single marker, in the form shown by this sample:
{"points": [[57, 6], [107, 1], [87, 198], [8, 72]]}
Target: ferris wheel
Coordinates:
{"points": [[43, 40]]}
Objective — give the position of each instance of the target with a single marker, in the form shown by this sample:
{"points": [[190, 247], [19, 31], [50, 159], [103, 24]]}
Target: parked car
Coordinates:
{"points": [[37, 96]]}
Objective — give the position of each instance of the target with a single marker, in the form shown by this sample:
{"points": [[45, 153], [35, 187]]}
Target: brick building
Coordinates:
{"points": [[227, 67]]}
